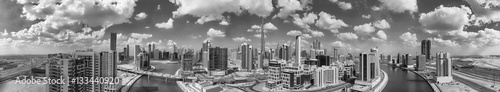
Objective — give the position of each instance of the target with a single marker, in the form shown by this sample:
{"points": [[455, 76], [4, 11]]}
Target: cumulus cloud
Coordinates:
{"points": [[309, 18], [344, 5], [399, 6], [225, 23], [443, 43], [258, 36], [241, 39], [409, 39], [484, 14], [194, 37], [317, 34], [328, 22], [340, 44], [215, 33], [365, 29], [59, 24], [212, 10], [445, 19], [141, 36], [347, 36], [140, 16], [307, 36], [380, 36], [382, 24], [293, 33], [171, 43], [5, 33], [166, 25], [288, 7], [367, 16], [270, 26]]}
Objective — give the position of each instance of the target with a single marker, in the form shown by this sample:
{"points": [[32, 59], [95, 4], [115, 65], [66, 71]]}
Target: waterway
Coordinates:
{"points": [[156, 84], [404, 81]]}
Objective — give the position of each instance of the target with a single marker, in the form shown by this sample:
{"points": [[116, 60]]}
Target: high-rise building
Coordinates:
{"points": [[142, 61], [398, 60], [188, 61], [92, 66], [326, 75], [113, 42], [426, 48], [218, 58], [369, 66], [297, 49], [443, 67], [316, 44], [335, 54], [323, 60], [246, 56], [127, 53], [205, 59], [63, 66], [275, 68], [420, 63]]}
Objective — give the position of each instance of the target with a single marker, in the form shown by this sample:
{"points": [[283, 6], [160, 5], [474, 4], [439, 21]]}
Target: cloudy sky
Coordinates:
{"points": [[462, 27]]}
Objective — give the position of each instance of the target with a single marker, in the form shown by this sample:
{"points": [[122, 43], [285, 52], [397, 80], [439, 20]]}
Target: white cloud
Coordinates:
{"points": [[340, 44], [270, 26], [288, 7], [367, 16], [306, 36], [328, 22], [5, 33], [166, 25], [382, 24], [365, 29], [224, 23], [261, 8], [347, 36], [158, 7], [334, 1], [344, 5], [140, 16], [258, 36], [293, 33], [380, 36], [171, 43], [141, 36], [317, 34], [443, 43], [445, 18], [241, 39], [213, 9], [400, 6], [215, 33], [409, 39], [309, 18], [484, 11], [194, 37], [72, 22]]}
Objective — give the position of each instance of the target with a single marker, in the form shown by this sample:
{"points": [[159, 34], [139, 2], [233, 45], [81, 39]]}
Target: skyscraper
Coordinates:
{"points": [[218, 58], [316, 44], [369, 66], [335, 54], [420, 63], [443, 67], [113, 42], [297, 50], [426, 48], [262, 45], [64, 66], [246, 56], [127, 53]]}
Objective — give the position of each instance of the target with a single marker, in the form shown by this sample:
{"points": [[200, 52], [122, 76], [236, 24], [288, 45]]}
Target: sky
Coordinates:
{"points": [[461, 27]]}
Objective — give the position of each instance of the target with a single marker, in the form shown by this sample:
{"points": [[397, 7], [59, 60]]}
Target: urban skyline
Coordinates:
{"points": [[352, 25]]}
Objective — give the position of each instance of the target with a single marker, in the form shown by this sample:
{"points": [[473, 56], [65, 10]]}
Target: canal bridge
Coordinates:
{"points": [[167, 76]]}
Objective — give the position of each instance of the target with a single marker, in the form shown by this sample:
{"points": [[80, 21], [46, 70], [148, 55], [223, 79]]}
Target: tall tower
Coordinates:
{"points": [[127, 53], [426, 48], [316, 44], [262, 44], [113, 42], [297, 50]]}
